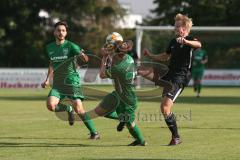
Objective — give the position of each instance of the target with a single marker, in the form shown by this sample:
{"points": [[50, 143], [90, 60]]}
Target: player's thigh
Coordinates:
{"points": [[52, 102], [108, 104], [197, 74], [200, 74], [126, 112], [54, 98], [169, 97], [146, 72]]}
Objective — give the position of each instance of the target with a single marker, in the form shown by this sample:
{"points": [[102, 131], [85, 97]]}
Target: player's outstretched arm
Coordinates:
{"points": [[192, 43], [159, 57]]}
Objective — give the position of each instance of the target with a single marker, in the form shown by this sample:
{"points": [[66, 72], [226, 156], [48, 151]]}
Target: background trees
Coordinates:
{"points": [[24, 34]]}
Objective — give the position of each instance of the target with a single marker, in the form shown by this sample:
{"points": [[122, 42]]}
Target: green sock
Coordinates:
{"points": [[199, 87], [195, 87], [88, 122], [62, 107], [112, 115], [136, 133]]}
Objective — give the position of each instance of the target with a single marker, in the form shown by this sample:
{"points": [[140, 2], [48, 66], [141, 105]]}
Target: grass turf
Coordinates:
{"points": [[209, 127]]}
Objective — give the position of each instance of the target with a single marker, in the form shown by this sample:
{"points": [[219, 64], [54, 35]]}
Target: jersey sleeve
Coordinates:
{"points": [[75, 49]]}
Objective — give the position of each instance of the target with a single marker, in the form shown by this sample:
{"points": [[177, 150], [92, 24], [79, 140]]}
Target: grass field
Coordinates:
{"points": [[209, 127]]}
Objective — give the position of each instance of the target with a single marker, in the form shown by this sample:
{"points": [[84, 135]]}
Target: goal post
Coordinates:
{"points": [[140, 30], [220, 42]]}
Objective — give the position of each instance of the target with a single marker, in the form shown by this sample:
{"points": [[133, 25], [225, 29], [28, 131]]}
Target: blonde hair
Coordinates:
{"points": [[185, 20]]}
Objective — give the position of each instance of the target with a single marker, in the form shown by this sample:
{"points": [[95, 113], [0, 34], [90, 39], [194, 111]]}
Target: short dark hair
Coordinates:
{"points": [[60, 23]]}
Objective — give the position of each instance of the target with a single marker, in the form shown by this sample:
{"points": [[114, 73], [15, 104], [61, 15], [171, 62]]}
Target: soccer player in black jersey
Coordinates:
{"points": [[179, 54]]}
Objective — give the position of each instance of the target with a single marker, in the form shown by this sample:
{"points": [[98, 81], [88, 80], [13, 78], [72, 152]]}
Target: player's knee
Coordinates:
{"points": [[78, 107], [79, 110], [51, 106], [165, 109], [130, 125]]}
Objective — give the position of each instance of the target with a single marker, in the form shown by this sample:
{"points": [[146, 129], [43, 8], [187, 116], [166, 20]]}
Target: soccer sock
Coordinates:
{"points": [[195, 87], [112, 115], [172, 125], [136, 133], [199, 88], [88, 122], [62, 107]]}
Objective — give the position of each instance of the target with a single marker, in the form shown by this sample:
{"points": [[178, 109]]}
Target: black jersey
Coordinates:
{"points": [[180, 61]]}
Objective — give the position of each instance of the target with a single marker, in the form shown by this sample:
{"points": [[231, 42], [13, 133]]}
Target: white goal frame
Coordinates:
{"points": [[140, 30]]}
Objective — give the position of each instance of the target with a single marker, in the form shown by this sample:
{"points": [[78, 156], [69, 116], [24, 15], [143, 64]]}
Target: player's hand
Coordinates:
{"points": [[146, 53], [203, 61], [83, 57], [45, 84], [181, 40]]}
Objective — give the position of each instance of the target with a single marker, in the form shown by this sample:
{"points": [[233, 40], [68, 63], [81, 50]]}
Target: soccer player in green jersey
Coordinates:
{"points": [[122, 102], [200, 58], [64, 56]]}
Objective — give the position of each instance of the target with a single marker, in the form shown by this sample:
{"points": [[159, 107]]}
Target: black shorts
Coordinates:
{"points": [[174, 92]]}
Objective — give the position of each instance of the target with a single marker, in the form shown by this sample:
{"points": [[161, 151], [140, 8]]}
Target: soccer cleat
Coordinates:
{"points": [[71, 118], [198, 95], [175, 141], [137, 143], [120, 126], [94, 136]]}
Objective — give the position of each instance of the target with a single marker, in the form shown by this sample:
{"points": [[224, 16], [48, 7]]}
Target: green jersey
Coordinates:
{"points": [[63, 62], [123, 74], [198, 56]]}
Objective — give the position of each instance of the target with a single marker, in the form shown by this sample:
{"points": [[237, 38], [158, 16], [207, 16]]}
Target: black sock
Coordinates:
{"points": [[172, 125]]}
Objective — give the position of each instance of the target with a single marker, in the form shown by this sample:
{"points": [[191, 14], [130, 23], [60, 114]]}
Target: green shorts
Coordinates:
{"points": [[61, 94], [112, 102], [197, 74]]}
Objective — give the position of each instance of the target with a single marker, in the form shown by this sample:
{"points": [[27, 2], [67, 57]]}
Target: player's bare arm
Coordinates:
{"points": [[205, 60], [192, 43], [103, 64], [49, 75]]}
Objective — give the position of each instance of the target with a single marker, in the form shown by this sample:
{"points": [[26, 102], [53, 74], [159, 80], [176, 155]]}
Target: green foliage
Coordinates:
{"points": [[23, 34], [203, 12]]}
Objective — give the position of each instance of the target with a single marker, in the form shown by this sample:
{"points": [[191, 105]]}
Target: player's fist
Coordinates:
{"points": [[45, 84], [181, 40]]}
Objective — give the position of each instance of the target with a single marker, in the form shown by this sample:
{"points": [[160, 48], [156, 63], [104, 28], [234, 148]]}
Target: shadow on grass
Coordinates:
{"points": [[9, 144], [41, 144], [182, 99]]}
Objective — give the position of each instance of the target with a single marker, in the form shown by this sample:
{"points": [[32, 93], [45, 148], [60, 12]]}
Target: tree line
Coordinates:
{"points": [[24, 34]]}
